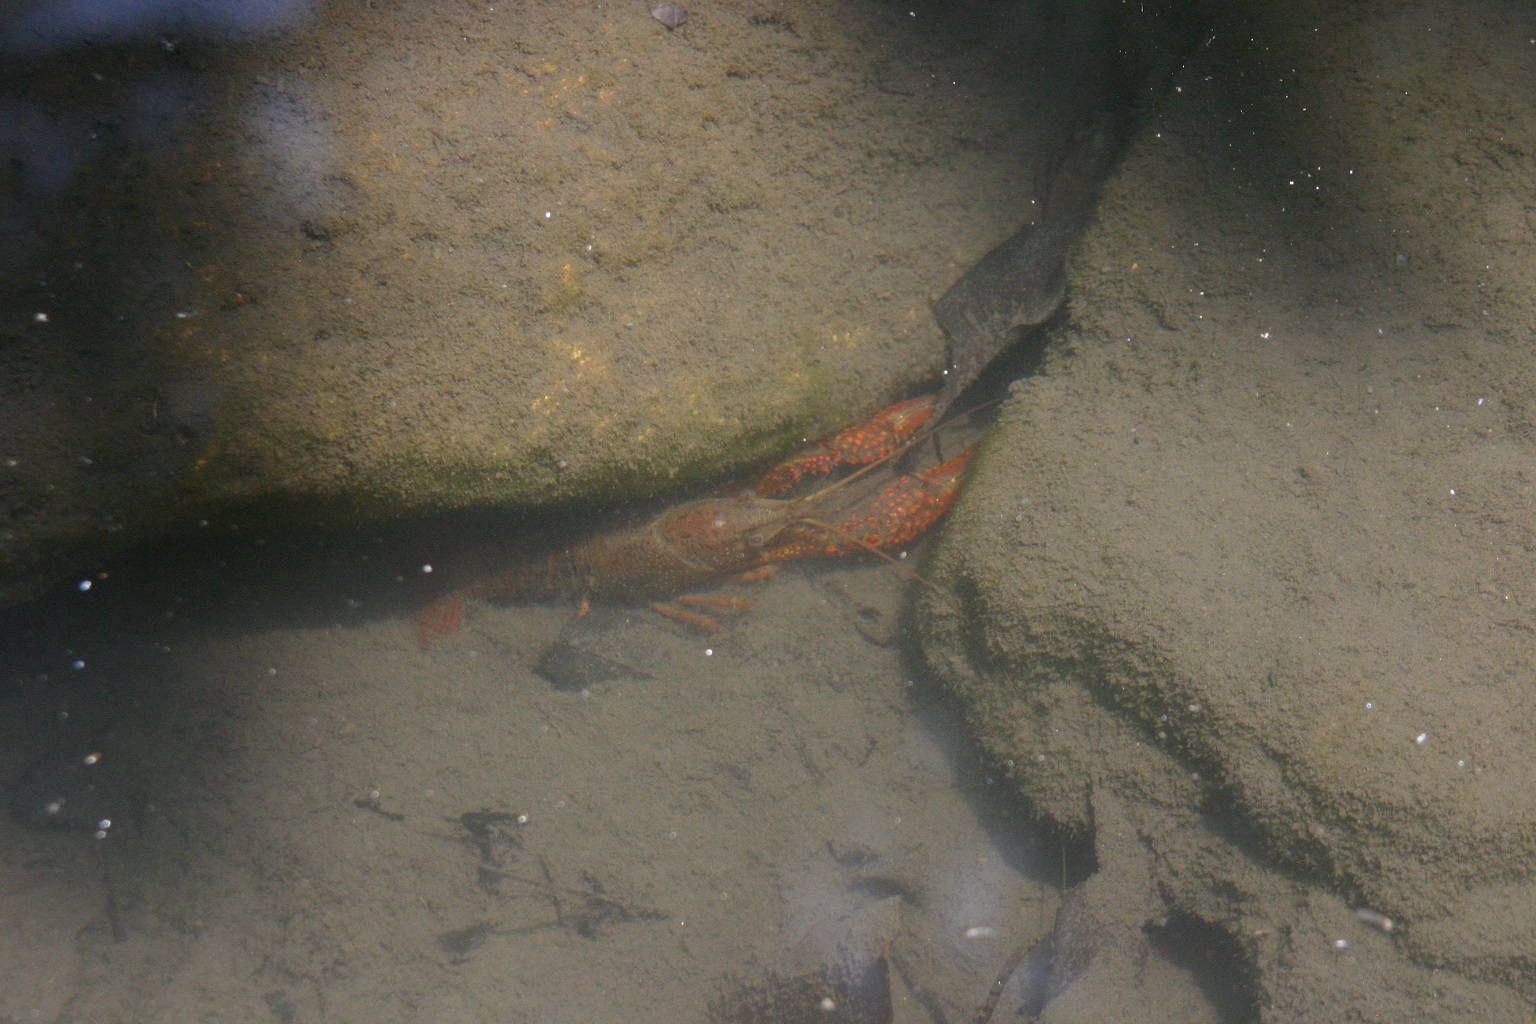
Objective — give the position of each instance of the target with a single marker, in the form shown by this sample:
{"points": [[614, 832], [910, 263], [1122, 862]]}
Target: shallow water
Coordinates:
{"points": [[567, 264], [308, 811]]}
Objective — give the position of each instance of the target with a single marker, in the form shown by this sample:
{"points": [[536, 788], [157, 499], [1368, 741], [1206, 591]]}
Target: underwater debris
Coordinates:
{"points": [[586, 909], [461, 942], [571, 669], [854, 989]]}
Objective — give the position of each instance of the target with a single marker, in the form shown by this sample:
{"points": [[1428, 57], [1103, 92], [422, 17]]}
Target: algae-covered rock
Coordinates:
{"points": [[400, 259], [1252, 554]]}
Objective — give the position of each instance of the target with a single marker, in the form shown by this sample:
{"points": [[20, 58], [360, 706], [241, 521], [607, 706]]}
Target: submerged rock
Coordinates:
{"points": [[1250, 555], [387, 264]]}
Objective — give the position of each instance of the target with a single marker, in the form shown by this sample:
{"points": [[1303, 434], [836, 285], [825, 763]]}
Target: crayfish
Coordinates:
{"points": [[744, 535]]}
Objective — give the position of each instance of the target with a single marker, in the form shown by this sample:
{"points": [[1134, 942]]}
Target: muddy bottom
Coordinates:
{"points": [[317, 820]]}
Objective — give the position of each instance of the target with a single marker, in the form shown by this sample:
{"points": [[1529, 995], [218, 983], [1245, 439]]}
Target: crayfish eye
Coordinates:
{"points": [[756, 540]]}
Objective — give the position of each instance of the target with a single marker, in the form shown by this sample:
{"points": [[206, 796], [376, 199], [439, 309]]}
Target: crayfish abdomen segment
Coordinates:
{"points": [[694, 545], [727, 534]]}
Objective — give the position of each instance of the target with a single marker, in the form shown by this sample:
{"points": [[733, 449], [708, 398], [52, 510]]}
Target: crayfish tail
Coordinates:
{"points": [[443, 617]]}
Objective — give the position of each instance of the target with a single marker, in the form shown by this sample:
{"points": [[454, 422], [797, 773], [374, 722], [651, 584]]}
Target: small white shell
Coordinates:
{"points": [[669, 14]]}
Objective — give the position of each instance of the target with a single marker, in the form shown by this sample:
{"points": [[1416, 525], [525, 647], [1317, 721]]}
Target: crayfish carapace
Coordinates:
{"points": [[713, 540]]}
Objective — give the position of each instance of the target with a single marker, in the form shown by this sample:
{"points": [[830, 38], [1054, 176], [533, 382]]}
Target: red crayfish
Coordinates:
{"points": [[745, 535]]}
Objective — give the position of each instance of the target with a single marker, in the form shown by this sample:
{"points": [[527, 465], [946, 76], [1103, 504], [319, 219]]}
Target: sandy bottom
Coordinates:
{"points": [[315, 820]]}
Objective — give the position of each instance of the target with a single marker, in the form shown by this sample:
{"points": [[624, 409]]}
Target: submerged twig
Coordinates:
{"points": [[989, 1007]]}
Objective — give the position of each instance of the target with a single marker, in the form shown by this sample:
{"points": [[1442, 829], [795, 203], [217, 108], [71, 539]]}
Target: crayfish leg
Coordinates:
{"points": [[718, 603], [693, 620], [762, 572], [706, 624]]}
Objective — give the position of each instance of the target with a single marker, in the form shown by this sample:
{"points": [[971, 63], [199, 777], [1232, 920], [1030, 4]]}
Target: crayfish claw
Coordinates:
{"points": [[877, 438]]}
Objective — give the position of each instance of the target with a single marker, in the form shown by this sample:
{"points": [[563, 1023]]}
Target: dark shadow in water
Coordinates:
{"points": [[231, 577], [1216, 962], [46, 27], [1034, 846], [86, 662]]}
